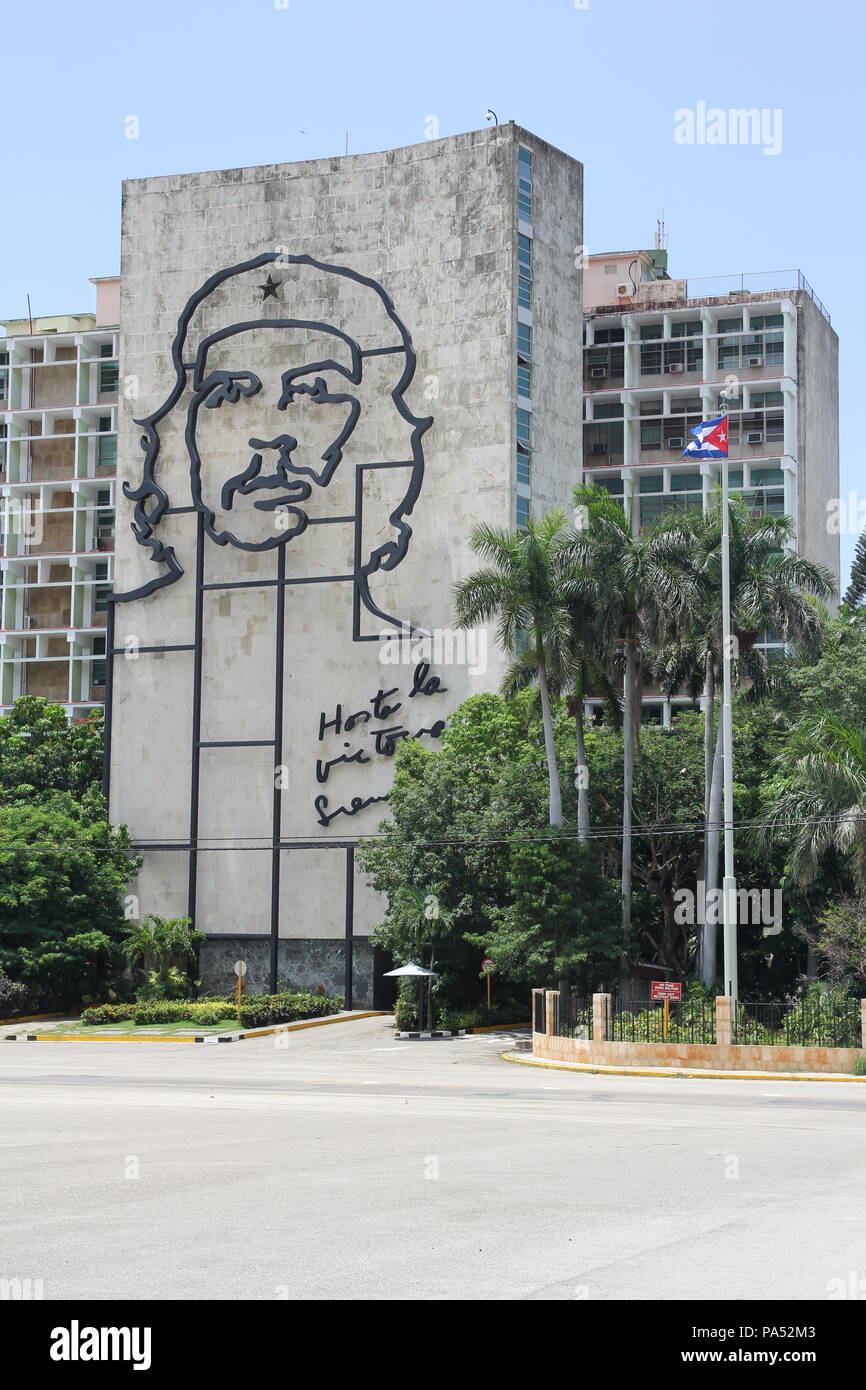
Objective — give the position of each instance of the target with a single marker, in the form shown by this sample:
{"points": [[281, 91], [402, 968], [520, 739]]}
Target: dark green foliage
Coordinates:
{"points": [[41, 753], [261, 1010], [562, 920]]}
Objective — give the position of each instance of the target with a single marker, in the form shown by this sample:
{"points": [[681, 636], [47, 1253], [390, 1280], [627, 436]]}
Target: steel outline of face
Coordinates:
{"points": [[213, 389], [152, 502]]}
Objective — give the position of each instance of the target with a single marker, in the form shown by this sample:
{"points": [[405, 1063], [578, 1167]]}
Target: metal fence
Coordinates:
{"points": [[574, 1015], [805, 1023], [689, 1021]]}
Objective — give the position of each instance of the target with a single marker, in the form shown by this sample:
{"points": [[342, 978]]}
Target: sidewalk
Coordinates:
{"points": [[696, 1072]]}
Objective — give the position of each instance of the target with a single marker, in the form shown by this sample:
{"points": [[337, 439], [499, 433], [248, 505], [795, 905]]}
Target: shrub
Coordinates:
{"points": [[261, 1010], [108, 1013], [206, 1011], [859, 1067]]}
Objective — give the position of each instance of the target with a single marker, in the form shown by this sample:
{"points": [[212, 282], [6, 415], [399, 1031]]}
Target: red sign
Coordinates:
{"points": [[666, 989], [487, 965]]}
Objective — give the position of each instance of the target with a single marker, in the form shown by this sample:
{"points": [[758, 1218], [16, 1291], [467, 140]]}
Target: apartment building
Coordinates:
{"points": [[58, 451], [662, 354]]}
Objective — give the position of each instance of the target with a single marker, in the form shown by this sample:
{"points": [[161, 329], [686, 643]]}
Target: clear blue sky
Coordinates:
{"points": [[220, 83]]}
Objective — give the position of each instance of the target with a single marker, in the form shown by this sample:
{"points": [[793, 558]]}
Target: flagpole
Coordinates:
{"points": [[729, 882]]}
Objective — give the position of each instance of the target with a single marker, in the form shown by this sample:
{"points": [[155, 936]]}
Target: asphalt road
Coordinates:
{"points": [[349, 1165]]}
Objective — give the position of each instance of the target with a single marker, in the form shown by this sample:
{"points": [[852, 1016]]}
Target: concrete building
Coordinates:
{"points": [[58, 447], [336, 369], [662, 354]]}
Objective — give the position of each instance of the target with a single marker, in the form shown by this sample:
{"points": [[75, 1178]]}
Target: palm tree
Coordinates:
{"points": [[824, 806], [529, 588], [770, 591], [164, 950], [642, 591]]}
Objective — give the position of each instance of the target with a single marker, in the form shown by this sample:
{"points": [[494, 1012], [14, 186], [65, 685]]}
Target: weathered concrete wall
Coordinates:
{"points": [[434, 226], [818, 430]]}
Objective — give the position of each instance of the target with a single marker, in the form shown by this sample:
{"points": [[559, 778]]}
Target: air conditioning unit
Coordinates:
{"points": [[598, 373], [624, 291], [676, 367], [97, 682], [675, 441], [599, 449], [756, 361], [755, 437]]}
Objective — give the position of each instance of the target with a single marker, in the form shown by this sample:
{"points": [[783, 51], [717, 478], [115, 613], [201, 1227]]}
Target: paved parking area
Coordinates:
{"points": [[338, 1162]]}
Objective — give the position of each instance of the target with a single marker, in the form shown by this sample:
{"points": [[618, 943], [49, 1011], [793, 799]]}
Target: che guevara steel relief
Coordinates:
{"points": [[288, 405]]}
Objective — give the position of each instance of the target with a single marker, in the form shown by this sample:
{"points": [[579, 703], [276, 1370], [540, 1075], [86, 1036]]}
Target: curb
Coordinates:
{"points": [[437, 1033], [230, 1037], [667, 1072]]}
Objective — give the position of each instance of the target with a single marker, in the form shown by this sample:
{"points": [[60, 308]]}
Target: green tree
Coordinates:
{"points": [[62, 875], [820, 802], [529, 589], [164, 950], [641, 591], [772, 589], [43, 752], [563, 918], [856, 590]]}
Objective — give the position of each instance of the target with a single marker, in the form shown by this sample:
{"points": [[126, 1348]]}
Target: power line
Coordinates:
{"points": [[215, 844]]}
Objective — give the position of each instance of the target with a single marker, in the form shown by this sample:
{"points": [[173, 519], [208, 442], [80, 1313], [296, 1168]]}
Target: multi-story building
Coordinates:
{"points": [[341, 367], [58, 450], [661, 355]]}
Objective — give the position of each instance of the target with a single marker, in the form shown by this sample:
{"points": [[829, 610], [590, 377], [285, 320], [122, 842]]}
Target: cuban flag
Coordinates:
{"points": [[710, 441]]}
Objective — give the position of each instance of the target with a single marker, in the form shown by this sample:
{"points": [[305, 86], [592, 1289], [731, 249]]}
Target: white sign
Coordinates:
{"points": [[240, 968]]}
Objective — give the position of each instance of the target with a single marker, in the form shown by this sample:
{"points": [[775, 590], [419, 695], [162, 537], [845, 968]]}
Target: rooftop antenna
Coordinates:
{"points": [[661, 233], [30, 316], [347, 142]]}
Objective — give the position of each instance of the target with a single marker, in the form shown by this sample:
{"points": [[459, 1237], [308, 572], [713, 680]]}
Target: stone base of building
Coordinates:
{"points": [[307, 963], [696, 1056]]}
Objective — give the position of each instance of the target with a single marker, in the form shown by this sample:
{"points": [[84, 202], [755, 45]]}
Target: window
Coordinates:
{"points": [[611, 485], [99, 646], [524, 340], [522, 511], [524, 428], [108, 371], [524, 380], [608, 410], [651, 331], [524, 185], [522, 470], [106, 451], [610, 335], [730, 325], [103, 497], [100, 598], [766, 477], [650, 436], [686, 482], [653, 483], [4, 362], [100, 571], [690, 328], [98, 673], [524, 292]]}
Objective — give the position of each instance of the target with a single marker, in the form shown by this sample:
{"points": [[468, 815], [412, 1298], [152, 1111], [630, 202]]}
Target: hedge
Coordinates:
{"points": [[257, 1010]]}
